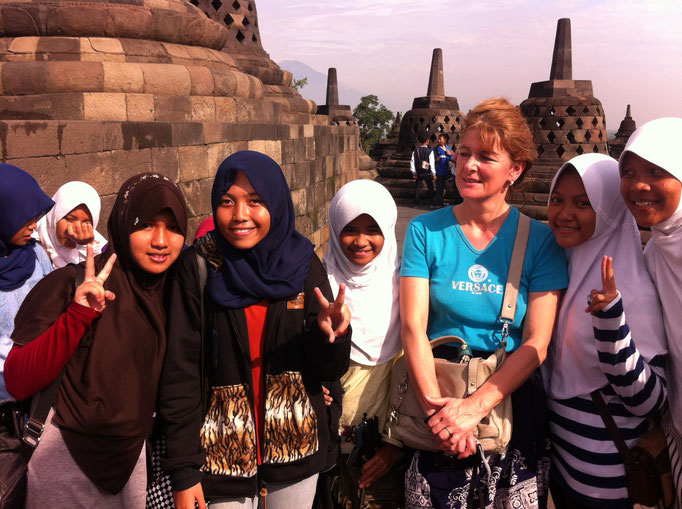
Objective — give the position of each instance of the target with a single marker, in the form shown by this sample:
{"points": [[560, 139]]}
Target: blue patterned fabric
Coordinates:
{"points": [[277, 266]]}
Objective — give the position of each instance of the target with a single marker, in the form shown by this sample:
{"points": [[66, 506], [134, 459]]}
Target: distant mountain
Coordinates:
{"points": [[316, 88]]}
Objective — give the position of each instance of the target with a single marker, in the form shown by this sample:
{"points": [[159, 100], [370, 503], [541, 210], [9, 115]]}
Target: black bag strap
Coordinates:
{"points": [[203, 276], [611, 427], [42, 402]]}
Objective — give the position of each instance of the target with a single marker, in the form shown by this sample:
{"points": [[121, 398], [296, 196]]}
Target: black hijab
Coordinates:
{"points": [[278, 265], [107, 396]]}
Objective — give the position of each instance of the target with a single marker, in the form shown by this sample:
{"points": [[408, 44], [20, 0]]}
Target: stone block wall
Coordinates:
{"points": [[101, 91], [317, 159]]}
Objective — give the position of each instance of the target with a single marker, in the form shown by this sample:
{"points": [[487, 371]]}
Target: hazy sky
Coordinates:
{"points": [[630, 49]]}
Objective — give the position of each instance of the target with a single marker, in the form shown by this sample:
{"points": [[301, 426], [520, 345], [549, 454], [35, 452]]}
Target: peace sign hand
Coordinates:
{"points": [[91, 292], [334, 318], [600, 299]]}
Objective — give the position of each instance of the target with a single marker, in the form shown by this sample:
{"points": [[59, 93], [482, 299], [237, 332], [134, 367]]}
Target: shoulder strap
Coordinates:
{"points": [[611, 427], [511, 290], [203, 275], [42, 402]]}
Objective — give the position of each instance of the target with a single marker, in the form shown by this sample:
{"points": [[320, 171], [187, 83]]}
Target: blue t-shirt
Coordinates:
{"points": [[442, 160], [467, 285]]}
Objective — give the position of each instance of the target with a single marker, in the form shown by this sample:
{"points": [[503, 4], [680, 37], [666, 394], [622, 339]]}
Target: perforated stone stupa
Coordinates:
{"points": [[566, 120], [98, 91], [627, 127], [431, 115]]}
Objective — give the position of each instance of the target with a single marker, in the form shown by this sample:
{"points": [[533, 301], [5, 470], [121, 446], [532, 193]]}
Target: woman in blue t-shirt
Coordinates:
{"points": [[454, 268]]}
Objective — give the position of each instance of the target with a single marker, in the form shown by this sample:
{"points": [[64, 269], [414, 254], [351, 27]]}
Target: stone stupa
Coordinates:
{"points": [[431, 116], [99, 91], [627, 127], [566, 120]]}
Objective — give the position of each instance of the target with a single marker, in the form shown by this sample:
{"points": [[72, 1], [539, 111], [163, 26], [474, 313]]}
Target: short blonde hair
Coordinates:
{"points": [[497, 120]]}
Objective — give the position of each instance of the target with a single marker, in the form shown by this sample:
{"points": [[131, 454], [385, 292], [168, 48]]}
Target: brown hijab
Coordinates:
{"points": [[107, 397]]}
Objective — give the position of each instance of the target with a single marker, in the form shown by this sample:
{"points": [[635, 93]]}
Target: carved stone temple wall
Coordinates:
{"points": [[99, 91]]}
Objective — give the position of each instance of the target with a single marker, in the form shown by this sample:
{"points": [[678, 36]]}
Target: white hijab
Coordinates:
{"points": [[575, 369], [67, 198], [371, 289], [657, 142]]}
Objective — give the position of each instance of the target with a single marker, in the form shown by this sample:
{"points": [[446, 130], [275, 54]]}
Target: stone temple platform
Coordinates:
{"points": [[99, 91]]}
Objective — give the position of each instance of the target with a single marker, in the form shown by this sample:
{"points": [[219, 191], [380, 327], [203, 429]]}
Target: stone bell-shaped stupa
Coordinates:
{"points": [[565, 118], [339, 114], [627, 127], [100, 91], [431, 115]]}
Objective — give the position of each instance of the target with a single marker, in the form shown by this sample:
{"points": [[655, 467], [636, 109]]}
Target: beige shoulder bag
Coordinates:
{"points": [[461, 379]]}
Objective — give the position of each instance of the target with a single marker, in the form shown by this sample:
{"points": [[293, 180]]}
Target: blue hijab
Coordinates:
{"points": [[21, 200], [278, 265]]}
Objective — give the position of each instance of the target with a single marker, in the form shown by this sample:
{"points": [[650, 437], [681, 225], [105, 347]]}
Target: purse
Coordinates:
{"points": [[406, 422], [16, 448], [647, 465]]}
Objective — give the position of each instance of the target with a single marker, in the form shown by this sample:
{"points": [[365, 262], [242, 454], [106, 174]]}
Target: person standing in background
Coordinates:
{"points": [[443, 156], [422, 166]]}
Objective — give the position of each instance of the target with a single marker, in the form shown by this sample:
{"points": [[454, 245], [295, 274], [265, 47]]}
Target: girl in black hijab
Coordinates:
{"points": [[249, 421], [91, 453]]}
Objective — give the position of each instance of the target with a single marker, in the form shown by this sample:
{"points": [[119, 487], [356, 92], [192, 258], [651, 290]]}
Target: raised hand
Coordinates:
{"points": [[80, 232], [334, 318], [600, 299], [91, 292]]}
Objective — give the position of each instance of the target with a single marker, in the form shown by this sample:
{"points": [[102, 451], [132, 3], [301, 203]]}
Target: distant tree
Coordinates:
{"points": [[374, 120], [299, 84]]}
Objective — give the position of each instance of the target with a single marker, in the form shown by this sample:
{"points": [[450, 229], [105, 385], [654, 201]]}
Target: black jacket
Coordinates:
{"points": [[209, 427]]}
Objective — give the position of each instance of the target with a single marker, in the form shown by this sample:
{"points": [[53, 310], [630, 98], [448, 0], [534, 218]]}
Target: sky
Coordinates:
{"points": [[630, 49]]}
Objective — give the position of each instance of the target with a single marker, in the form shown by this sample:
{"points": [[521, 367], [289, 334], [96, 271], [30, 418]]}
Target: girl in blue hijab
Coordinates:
{"points": [[22, 262], [241, 392]]}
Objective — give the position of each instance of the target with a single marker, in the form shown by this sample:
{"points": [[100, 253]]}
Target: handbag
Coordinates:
{"points": [[406, 421], [16, 448], [647, 465]]}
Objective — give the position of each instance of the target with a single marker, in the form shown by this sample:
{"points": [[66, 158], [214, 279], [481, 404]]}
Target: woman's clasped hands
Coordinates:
{"points": [[91, 293], [453, 424]]}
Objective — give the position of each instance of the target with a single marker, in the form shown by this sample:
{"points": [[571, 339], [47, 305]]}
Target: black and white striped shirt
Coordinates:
{"points": [[585, 460]]}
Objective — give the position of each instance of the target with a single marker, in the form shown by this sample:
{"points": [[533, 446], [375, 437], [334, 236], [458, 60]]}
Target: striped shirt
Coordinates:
{"points": [[585, 460]]}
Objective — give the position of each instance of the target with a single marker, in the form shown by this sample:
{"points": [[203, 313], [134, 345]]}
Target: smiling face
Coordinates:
{"points": [[157, 243], [241, 215], [484, 173], [570, 214], [361, 240], [79, 214], [650, 192], [23, 235]]}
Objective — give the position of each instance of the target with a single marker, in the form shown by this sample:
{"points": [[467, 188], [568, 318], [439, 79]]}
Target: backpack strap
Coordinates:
{"points": [[42, 402], [203, 276]]}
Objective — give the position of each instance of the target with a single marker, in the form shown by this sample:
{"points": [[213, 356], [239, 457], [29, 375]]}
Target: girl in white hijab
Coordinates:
{"points": [[363, 255], [66, 230], [624, 361], [651, 171]]}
